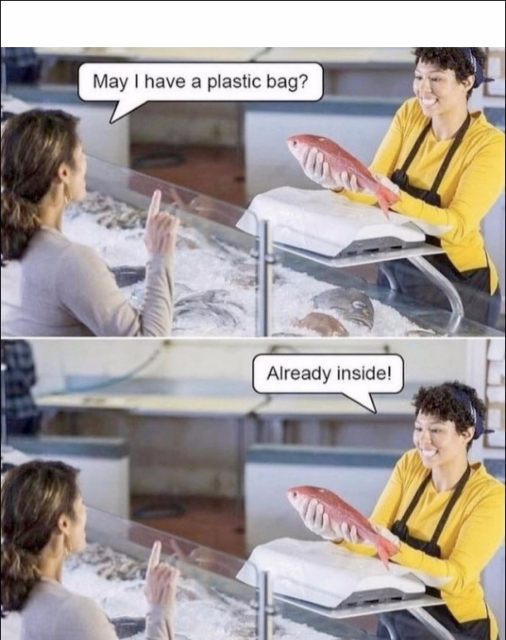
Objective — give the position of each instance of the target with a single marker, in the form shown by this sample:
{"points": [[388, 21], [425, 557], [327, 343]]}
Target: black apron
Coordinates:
{"points": [[473, 285], [408, 627]]}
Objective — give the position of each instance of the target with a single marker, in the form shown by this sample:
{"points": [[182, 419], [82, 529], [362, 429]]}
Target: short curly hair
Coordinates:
{"points": [[452, 58], [443, 402]]}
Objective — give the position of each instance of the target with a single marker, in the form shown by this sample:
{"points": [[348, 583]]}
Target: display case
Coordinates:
{"points": [[214, 601], [230, 283], [221, 597]]}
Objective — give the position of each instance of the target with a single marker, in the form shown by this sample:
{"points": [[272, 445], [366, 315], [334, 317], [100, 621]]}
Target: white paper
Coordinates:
{"points": [[326, 574], [322, 222]]}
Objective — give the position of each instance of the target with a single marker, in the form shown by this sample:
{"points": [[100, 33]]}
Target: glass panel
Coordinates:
{"points": [[340, 279], [211, 603], [217, 276]]}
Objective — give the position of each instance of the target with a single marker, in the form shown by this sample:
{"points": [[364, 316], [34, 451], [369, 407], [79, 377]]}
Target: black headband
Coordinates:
{"points": [[478, 70], [477, 420]]}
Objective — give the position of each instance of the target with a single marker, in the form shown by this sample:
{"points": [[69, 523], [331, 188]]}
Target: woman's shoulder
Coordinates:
{"points": [[410, 459], [52, 601], [484, 484], [410, 466], [47, 238], [77, 255], [48, 593], [484, 132], [411, 113]]}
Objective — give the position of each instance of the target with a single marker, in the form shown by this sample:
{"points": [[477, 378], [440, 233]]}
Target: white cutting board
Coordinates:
{"points": [[325, 223], [326, 574]]}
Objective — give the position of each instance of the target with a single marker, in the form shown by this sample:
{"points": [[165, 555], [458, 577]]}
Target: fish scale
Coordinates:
{"points": [[340, 160], [340, 512]]}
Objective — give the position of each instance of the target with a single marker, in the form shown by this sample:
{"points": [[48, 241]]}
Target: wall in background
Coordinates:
{"points": [[199, 456]]}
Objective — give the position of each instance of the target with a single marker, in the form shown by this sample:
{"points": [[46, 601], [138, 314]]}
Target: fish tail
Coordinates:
{"points": [[383, 554], [385, 549], [386, 199]]}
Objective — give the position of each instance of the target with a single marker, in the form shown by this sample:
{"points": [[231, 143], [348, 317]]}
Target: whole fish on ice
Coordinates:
{"points": [[340, 160], [351, 304], [323, 324], [340, 512], [212, 306], [204, 263]]}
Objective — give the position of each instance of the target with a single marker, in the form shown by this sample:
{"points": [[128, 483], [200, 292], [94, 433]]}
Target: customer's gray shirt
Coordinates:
{"points": [[62, 288], [54, 613]]}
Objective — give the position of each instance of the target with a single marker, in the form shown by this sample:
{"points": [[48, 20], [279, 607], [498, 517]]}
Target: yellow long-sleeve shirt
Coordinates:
{"points": [[472, 184], [473, 534]]}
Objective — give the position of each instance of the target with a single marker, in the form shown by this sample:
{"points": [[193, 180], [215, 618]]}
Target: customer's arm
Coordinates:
{"points": [[87, 289], [160, 590], [81, 619]]}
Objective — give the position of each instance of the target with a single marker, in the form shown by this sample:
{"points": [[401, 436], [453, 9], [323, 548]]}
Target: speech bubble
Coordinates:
{"points": [[133, 84], [355, 376]]}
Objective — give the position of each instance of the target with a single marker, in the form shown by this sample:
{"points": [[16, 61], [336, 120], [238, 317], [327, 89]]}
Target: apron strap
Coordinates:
{"points": [[416, 499], [416, 148], [449, 156], [449, 507]]}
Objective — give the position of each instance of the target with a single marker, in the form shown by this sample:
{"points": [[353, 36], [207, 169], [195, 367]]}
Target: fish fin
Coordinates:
{"points": [[390, 547], [385, 548], [383, 554], [384, 207], [386, 199]]}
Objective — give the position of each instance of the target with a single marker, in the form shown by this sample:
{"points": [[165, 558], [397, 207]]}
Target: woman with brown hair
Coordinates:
{"points": [[50, 285], [43, 520]]}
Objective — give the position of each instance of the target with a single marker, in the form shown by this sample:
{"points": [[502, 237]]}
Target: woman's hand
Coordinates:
{"points": [[316, 520], [317, 170], [161, 580], [161, 228]]}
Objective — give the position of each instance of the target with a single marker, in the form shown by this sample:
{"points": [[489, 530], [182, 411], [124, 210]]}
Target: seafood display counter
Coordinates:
{"points": [[213, 600], [220, 282]]}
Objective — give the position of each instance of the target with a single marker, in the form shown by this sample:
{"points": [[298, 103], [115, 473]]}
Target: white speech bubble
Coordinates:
{"points": [[133, 84], [354, 376]]}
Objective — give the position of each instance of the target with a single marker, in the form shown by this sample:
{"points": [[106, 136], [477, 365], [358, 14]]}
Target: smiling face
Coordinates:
{"points": [[438, 442], [438, 90]]}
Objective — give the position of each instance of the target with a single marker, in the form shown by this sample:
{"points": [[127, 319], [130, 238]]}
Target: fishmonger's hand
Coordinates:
{"points": [[317, 521], [318, 171]]}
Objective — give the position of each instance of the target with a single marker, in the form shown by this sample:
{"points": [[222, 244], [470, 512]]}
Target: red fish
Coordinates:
{"points": [[339, 512], [340, 160]]}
